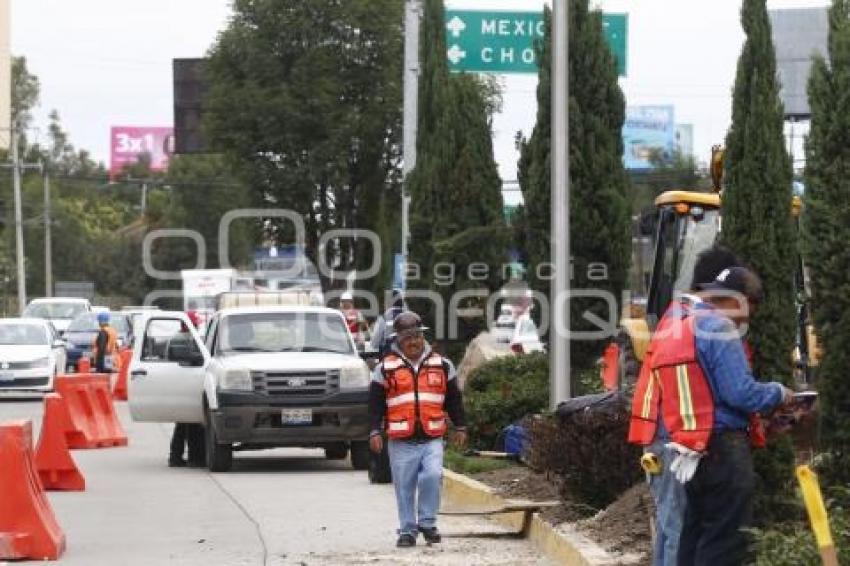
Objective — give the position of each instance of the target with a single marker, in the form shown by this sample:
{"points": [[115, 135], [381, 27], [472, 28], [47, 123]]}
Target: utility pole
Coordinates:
{"points": [[559, 367], [48, 245], [412, 15], [19, 222], [144, 196]]}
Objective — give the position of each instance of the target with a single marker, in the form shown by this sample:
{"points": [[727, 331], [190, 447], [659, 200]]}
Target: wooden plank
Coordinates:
{"points": [[510, 506]]}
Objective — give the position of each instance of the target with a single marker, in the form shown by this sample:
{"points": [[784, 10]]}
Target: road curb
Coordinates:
{"points": [[567, 547]]}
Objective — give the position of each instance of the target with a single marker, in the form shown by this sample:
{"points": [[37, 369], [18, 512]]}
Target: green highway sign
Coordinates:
{"points": [[503, 42]]}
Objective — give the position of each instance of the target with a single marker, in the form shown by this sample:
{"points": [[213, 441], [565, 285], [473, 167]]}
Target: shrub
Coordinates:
{"points": [[793, 544], [588, 450], [503, 391]]}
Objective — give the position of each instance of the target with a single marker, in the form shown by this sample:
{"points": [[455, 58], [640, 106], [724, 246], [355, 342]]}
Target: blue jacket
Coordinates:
{"points": [[721, 354]]}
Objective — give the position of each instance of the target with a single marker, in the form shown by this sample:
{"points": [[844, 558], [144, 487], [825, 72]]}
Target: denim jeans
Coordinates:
{"points": [[670, 502], [417, 467]]}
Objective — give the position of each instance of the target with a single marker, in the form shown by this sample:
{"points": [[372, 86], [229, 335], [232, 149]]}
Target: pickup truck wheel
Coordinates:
{"points": [[379, 466], [336, 451], [219, 456], [360, 455]]}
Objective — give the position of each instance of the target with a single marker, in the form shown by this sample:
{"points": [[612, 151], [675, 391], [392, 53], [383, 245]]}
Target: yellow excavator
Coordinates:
{"points": [[689, 222]]}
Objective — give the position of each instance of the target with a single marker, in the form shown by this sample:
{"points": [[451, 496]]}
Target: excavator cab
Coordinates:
{"points": [[688, 223]]}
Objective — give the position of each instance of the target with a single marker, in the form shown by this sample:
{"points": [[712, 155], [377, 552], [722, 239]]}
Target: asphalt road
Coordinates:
{"points": [[279, 507]]}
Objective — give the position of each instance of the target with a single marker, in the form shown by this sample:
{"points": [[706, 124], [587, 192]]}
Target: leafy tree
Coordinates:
{"points": [[456, 202], [599, 209], [305, 98], [827, 230], [757, 222]]}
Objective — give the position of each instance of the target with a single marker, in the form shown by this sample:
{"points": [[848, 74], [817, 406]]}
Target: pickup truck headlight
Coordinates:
{"points": [[237, 379], [355, 376]]}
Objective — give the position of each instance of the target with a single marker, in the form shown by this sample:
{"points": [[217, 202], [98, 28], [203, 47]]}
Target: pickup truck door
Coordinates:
{"points": [[167, 370]]}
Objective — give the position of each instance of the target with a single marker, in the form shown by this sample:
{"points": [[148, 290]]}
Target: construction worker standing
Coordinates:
{"points": [[105, 346], [667, 492], [382, 335], [412, 390], [702, 392]]}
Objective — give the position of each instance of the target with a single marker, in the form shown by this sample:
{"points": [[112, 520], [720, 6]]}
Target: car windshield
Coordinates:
{"points": [[86, 322], [22, 335], [284, 332], [54, 310]]}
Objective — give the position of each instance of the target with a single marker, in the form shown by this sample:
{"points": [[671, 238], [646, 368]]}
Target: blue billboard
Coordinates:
{"points": [[648, 130]]}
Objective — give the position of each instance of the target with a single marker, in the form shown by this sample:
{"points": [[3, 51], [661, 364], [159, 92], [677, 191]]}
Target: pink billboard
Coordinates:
{"points": [[128, 143]]}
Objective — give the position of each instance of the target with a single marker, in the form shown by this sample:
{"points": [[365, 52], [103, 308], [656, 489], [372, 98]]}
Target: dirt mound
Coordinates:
{"points": [[624, 525]]}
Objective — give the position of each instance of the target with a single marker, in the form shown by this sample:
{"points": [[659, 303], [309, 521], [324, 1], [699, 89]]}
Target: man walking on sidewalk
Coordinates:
{"points": [[412, 390]]}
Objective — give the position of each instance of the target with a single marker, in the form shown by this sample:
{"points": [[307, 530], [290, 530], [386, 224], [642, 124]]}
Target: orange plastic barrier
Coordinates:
{"points": [[28, 527], [90, 421], [53, 460], [83, 365], [114, 433], [119, 392], [610, 367]]}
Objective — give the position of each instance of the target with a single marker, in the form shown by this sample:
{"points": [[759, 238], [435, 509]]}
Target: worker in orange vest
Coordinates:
{"points": [[105, 346], [412, 390], [698, 391]]}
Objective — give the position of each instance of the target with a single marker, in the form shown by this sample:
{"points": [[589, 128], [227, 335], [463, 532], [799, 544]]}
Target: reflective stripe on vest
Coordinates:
{"points": [[672, 383]]}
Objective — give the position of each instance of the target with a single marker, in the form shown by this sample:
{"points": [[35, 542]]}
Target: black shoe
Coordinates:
{"points": [[430, 534], [406, 540], [176, 463]]}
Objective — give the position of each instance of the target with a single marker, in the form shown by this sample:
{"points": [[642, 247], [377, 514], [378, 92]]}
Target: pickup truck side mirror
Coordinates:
{"points": [[185, 355], [371, 357]]}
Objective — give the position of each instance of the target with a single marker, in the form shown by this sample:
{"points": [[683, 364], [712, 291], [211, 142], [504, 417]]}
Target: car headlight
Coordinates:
{"points": [[40, 363], [237, 379], [354, 376]]}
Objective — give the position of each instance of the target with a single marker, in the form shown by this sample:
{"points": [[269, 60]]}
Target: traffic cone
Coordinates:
{"points": [[53, 460], [119, 392], [28, 527]]}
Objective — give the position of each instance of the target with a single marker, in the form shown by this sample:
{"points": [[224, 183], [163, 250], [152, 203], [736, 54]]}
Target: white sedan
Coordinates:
{"points": [[31, 354]]}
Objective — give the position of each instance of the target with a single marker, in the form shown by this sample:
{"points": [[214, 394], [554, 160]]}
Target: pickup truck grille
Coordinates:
{"points": [[296, 383]]}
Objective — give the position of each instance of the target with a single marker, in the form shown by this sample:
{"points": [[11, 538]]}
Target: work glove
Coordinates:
{"points": [[684, 465]]}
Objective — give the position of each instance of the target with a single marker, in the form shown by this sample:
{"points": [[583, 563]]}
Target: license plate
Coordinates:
{"points": [[296, 416], [6, 376]]}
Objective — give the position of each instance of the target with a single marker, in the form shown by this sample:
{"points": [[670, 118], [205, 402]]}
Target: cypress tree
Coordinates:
{"points": [[456, 214], [758, 224], [826, 219], [599, 209]]}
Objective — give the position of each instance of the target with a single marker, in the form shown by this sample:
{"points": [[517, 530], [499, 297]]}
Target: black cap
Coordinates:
{"points": [[408, 320], [737, 279]]}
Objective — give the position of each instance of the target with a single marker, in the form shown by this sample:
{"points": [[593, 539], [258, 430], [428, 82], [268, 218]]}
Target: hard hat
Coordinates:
{"points": [[103, 318], [346, 296], [408, 320]]}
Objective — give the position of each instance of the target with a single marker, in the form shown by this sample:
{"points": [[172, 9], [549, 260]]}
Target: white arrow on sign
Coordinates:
{"points": [[456, 54], [456, 26]]}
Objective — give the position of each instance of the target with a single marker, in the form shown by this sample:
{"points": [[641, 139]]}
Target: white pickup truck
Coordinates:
{"points": [[264, 377]]}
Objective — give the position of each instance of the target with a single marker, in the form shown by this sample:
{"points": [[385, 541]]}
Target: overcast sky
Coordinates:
{"points": [[108, 62]]}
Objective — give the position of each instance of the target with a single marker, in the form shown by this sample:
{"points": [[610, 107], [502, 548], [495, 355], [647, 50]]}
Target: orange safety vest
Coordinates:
{"points": [[111, 346], [415, 397], [672, 381]]}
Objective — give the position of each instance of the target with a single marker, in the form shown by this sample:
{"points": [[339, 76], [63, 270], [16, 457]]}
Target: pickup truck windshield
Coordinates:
{"points": [[283, 332]]}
